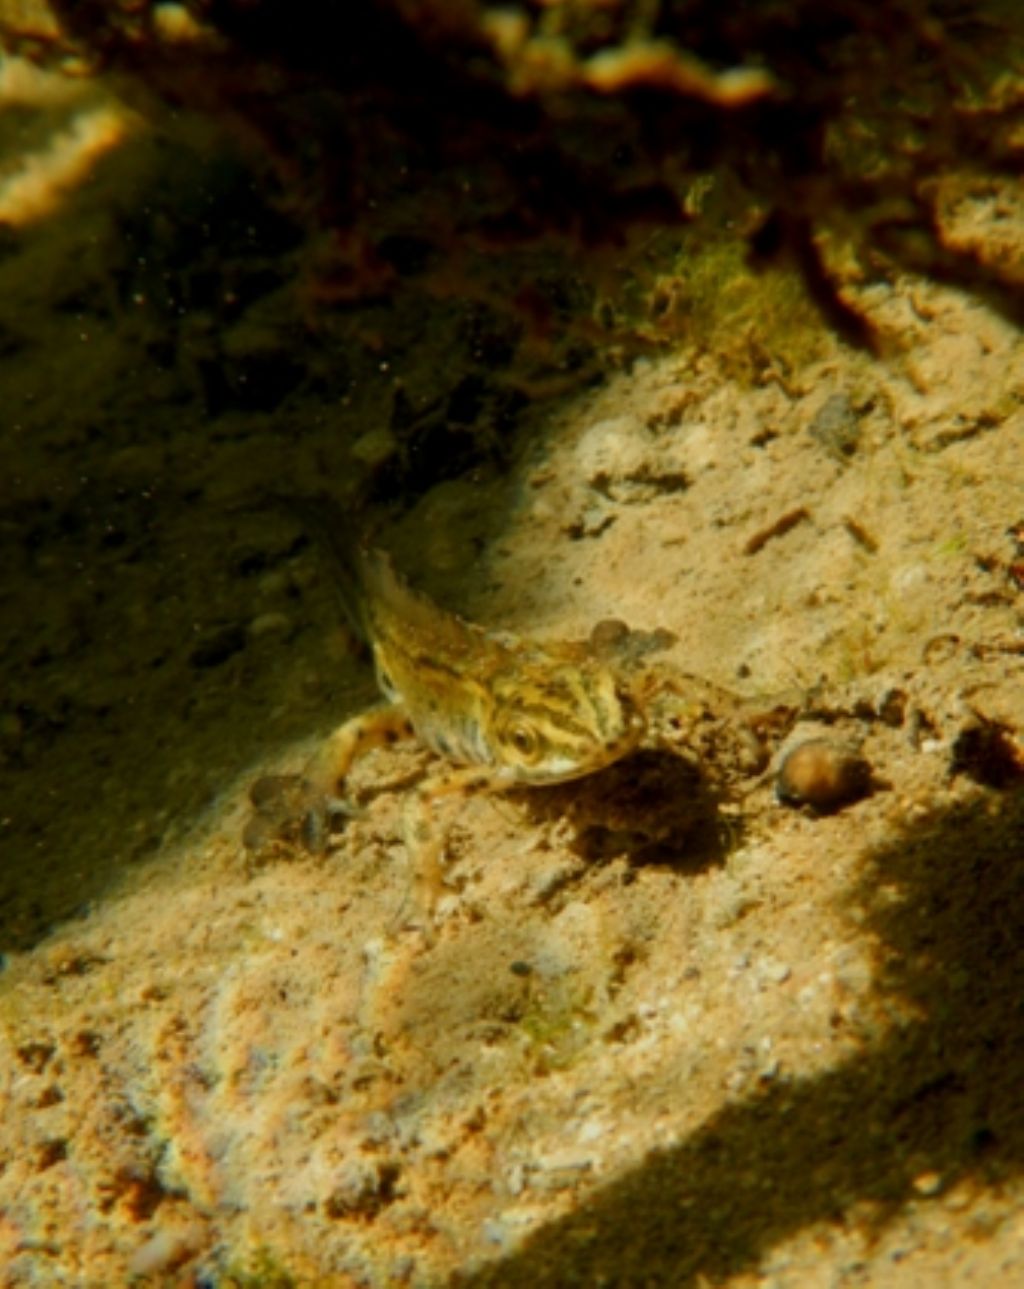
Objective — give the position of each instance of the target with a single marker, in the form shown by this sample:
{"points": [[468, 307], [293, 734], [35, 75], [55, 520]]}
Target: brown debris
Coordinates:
{"points": [[784, 524]]}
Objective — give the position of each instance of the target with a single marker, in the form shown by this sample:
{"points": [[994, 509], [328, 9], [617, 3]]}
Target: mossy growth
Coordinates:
{"points": [[258, 1270]]}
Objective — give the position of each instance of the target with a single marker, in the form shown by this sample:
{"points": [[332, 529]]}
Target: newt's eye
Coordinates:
{"points": [[524, 739]]}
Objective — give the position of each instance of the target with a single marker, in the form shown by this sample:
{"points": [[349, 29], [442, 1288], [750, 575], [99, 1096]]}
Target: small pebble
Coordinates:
{"points": [[836, 427], [608, 635], [928, 1183], [822, 774], [269, 624], [777, 973], [158, 1252], [375, 447]]}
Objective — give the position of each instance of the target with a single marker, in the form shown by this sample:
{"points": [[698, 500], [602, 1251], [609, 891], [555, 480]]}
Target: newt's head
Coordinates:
{"points": [[561, 721]]}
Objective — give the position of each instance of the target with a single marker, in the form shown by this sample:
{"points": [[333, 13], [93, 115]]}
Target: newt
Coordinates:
{"points": [[503, 711]]}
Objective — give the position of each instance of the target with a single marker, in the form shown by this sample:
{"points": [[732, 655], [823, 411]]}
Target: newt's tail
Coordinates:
{"points": [[335, 529]]}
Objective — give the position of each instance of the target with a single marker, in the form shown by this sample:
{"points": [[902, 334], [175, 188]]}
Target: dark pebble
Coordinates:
{"points": [[836, 427], [822, 774]]}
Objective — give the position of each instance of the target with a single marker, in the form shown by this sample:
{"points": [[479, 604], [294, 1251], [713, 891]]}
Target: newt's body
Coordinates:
{"points": [[528, 713]]}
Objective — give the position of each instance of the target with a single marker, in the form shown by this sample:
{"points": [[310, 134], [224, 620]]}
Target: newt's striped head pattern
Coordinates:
{"points": [[559, 721]]}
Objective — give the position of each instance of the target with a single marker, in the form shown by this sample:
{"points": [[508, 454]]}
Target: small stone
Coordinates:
{"points": [[269, 624], [928, 1183], [175, 24], [274, 583], [495, 1232], [836, 427], [156, 1254], [822, 774], [608, 635], [776, 973], [375, 447]]}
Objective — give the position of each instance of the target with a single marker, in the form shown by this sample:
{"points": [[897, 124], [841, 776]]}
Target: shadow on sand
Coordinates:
{"points": [[940, 1095]]}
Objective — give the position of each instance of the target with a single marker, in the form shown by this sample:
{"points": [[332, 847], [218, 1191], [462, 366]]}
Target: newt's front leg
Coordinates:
{"points": [[425, 827], [302, 808]]}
